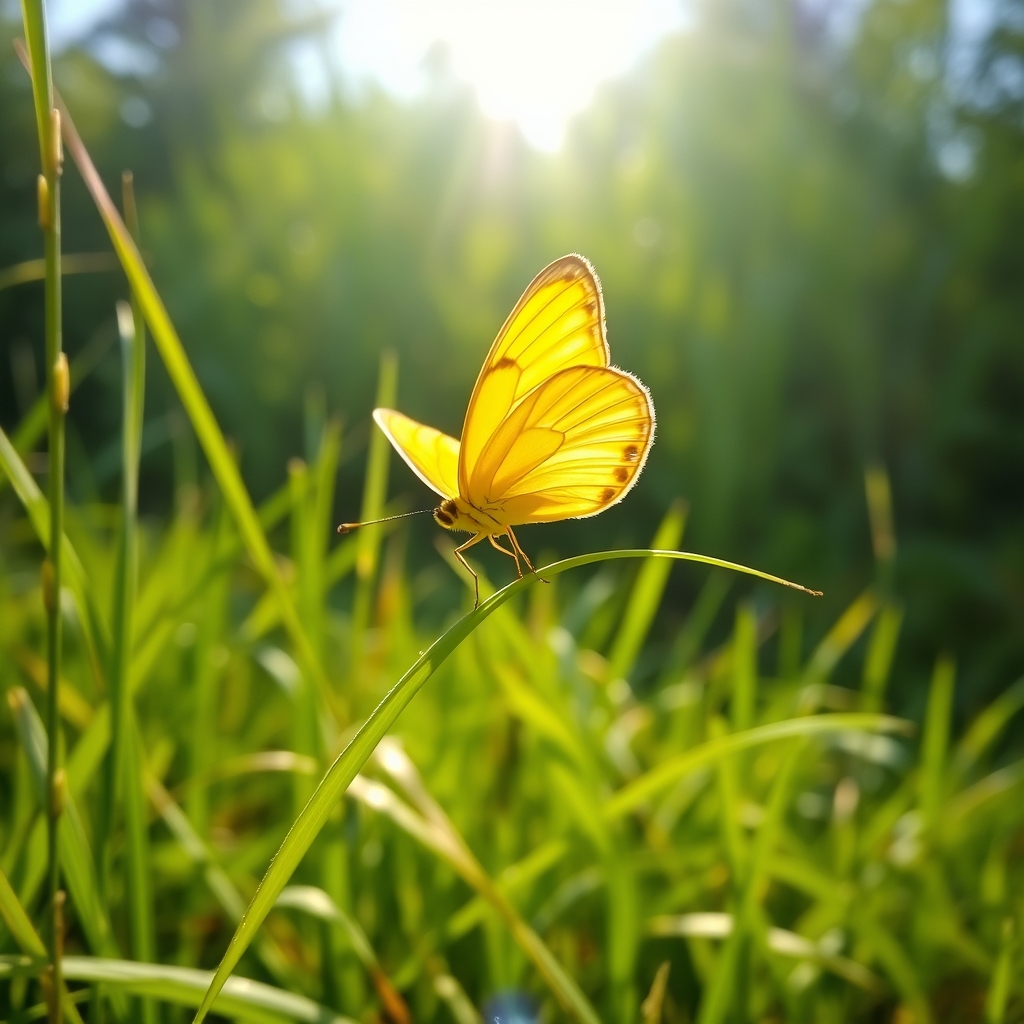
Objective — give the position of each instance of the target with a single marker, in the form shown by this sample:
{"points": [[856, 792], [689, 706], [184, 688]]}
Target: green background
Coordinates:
{"points": [[785, 263]]}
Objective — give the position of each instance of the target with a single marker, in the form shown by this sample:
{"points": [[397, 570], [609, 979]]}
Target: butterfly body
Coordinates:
{"points": [[460, 516], [552, 432]]}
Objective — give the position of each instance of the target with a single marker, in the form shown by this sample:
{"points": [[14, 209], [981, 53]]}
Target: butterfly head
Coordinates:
{"points": [[456, 514], [447, 514]]}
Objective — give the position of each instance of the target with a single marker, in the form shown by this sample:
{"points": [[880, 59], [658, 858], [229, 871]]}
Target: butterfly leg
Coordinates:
{"points": [[505, 551], [475, 539], [522, 554]]}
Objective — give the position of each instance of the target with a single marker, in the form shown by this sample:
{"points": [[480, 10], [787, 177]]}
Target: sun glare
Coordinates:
{"points": [[534, 63]]}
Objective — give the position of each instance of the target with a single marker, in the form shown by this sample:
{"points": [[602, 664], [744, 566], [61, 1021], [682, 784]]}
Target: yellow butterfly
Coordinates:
{"points": [[552, 430]]}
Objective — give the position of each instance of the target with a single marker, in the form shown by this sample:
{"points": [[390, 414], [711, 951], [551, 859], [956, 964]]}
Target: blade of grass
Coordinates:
{"points": [[348, 763], [38, 510], [305, 718], [1000, 783], [780, 941], [695, 629], [142, 930], [645, 597], [881, 650], [986, 728], [511, 879], [216, 878], [71, 263], [73, 844], [151, 603], [123, 761], [76, 857], [841, 637], [312, 577], [242, 999], [317, 903], [374, 496], [18, 922], [25, 935], [898, 965], [639, 790], [883, 532], [74, 708], [440, 834], [1002, 978], [58, 387], [744, 669], [213, 605], [935, 740], [443, 840], [218, 453], [728, 986], [337, 565]]}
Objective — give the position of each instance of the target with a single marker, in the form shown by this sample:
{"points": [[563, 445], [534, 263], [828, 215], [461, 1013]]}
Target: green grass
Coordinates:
{"points": [[276, 772]]}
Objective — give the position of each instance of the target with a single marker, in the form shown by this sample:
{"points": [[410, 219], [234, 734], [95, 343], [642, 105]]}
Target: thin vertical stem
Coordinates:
{"points": [[126, 748], [374, 496], [58, 388]]}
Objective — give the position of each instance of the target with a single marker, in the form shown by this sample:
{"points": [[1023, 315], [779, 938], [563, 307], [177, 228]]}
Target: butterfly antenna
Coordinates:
{"points": [[349, 527]]}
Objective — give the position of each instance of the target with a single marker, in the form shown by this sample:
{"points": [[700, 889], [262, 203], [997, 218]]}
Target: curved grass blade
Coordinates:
{"points": [[641, 789], [241, 999], [715, 925], [70, 263], [346, 766]]}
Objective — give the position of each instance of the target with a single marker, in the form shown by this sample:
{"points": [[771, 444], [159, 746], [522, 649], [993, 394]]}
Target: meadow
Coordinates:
{"points": [[253, 768]]}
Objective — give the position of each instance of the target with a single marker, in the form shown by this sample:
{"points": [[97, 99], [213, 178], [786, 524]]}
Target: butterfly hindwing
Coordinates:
{"points": [[432, 456], [572, 447], [558, 323]]}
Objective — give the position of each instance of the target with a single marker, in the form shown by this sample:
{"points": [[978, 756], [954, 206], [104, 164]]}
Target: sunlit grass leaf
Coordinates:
{"points": [[25, 935], [75, 854], [983, 732], [636, 792], [341, 773], [241, 998], [645, 597], [782, 942]]}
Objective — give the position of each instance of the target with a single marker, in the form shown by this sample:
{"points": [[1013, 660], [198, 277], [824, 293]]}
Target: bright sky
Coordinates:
{"points": [[535, 62]]}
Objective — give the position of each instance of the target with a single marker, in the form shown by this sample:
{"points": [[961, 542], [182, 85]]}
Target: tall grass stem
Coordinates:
{"points": [[57, 388]]}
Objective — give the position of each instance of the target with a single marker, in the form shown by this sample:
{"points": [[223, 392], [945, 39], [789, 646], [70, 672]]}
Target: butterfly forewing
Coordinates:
{"points": [[558, 323], [432, 456]]}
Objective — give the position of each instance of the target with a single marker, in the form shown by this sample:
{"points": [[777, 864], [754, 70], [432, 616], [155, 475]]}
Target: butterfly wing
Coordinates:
{"points": [[573, 446], [431, 455], [558, 322]]}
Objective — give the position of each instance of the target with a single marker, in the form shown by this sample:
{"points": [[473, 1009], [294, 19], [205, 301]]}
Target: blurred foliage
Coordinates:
{"points": [[809, 244], [530, 804]]}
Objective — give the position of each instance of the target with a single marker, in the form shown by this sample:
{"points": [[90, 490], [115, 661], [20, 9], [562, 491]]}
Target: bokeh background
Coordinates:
{"points": [[807, 217]]}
